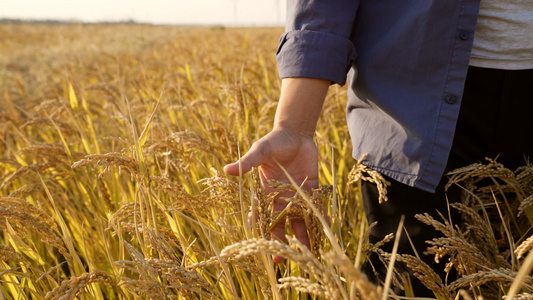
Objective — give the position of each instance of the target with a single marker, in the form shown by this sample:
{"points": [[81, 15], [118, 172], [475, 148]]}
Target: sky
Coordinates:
{"points": [[174, 12]]}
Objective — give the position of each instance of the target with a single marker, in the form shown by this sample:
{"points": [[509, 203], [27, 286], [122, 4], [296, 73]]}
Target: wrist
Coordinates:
{"points": [[300, 127], [300, 104]]}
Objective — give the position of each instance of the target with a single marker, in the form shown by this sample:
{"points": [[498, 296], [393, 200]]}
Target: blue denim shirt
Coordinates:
{"points": [[405, 63]]}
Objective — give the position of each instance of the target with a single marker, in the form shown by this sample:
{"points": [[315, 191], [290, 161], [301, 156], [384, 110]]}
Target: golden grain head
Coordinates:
{"points": [[361, 172], [50, 151], [426, 275], [120, 160], [478, 171], [524, 247], [23, 216], [74, 287], [482, 277], [27, 170], [26, 190], [305, 285], [48, 122], [8, 254], [525, 206]]}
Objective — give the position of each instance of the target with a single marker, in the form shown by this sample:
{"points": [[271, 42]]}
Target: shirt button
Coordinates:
{"points": [[464, 35], [450, 99]]}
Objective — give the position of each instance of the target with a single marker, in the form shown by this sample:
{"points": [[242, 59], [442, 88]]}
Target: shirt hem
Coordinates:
{"points": [[405, 178], [503, 64]]}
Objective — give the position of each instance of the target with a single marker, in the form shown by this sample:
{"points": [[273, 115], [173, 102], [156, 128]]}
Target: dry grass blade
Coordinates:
{"points": [[49, 271], [392, 258], [523, 277], [464, 294]]}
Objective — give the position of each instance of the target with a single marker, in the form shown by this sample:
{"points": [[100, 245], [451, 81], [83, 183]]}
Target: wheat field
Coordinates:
{"points": [[112, 143]]}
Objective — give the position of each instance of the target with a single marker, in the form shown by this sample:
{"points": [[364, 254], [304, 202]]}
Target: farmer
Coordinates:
{"points": [[433, 85]]}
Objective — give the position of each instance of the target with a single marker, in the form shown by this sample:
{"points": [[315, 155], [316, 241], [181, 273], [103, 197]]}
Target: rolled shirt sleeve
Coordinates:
{"points": [[317, 41], [406, 90]]}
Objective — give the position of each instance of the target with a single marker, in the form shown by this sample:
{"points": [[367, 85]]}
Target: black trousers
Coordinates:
{"points": [[496, 118]]}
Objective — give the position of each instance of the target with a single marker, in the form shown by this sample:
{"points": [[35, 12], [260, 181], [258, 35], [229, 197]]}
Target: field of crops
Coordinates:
{"points": [[112, 144]]}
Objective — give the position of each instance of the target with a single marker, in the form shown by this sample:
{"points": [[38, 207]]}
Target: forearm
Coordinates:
{"points": [[300, 104]]}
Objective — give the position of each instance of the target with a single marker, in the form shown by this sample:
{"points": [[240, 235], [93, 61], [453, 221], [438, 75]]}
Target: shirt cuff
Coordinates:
{"points": [[313, 54]]}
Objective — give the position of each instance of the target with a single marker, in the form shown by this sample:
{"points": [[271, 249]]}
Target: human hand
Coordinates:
{"points": [[298, 155]]}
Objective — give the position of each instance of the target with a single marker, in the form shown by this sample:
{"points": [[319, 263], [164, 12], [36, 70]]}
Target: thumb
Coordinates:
{"points": [[233, 168], [253, 158]]}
